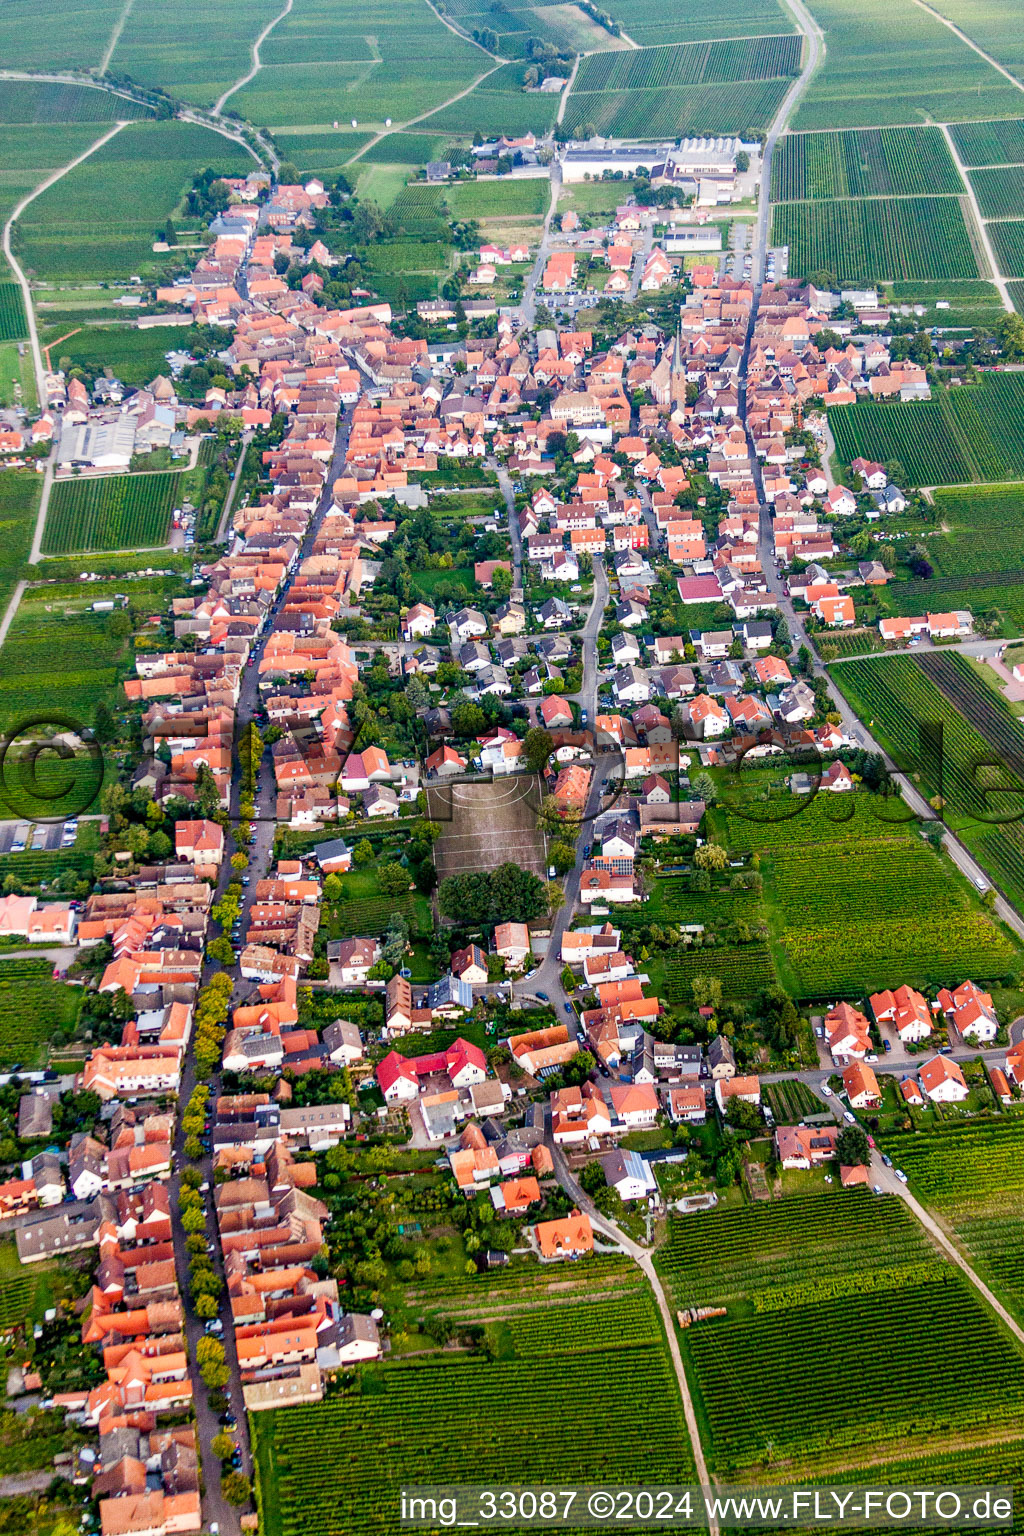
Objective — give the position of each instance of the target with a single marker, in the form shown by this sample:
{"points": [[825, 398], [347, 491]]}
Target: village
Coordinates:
{"points": [[427, 779]]}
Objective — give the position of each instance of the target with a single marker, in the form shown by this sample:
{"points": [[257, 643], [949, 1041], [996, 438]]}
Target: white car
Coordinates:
{"points": [[850, 1119], [901, 1175], [826, 1089], [878, 1189]]}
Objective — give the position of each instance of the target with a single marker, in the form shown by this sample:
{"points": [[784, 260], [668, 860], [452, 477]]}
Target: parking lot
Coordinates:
{"points": [[27, 836]]}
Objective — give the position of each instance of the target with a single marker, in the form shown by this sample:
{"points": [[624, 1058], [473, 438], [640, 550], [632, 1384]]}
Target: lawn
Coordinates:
{"points": [[85, 226], [110, 512], [809, 1327], [32, 1007]]}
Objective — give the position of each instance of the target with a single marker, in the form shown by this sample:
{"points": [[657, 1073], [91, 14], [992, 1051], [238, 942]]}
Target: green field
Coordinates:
{"points": [[511, 1413], [330, 61], [110, 512], [733, 107], [972, 1175], [13, 325], [499, 199], [652, 22], [995, 143], [497, 105], [136, 357], [19, 501], [1000, 192], [969, 433], [889, 61], [32, 1006], [876, 240], [865, 162], [808, 1325], [990, 26], [315, 153], [72, 36], [25, 1290], [35, 101], [150, 47], [86, 226], [1007, 239]]}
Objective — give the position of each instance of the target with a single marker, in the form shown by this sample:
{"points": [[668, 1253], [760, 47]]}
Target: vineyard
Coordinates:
{"points": [[995, 143], [743, 969], [32, 1007], [853, 642], [505, 1419], [735, 107], [875, 240], [369, 914], [1000, 192], [971, 433], [986, 531], [110, 512], [866, 162], [31, 101], [795, 1320], [651, 21], [790, 1100], [24, 1288], [973, 1174], [886, 913], [647, 69], [12, 313], [1008, 243]]}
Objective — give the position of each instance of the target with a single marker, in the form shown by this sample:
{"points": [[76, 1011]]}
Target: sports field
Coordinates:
{"points": [[484, 825]]}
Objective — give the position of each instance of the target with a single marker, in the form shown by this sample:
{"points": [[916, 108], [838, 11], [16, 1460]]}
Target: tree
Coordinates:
{"points": [[362, 853], [743, 1117], [208, 1349], [852, 1146], [393, 879], [706, 991], [222, 1445], [562, 856], [711, 856], [555, 896], [703, 786], [1010, 335], [240, 862], [538, 746], [215, 1374], [235, 1487], [192, 1220]]}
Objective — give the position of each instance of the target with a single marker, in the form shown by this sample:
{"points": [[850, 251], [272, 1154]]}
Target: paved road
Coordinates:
{"points": [[224, 525], [505, 486], [528, 307]]}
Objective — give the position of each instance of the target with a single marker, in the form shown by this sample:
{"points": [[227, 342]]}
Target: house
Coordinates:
{"points": [[515, 1196], [746, 1089], [721, 1059], [333, 857], [972, 1011], [555, 712], [343, 1043], [570, 1238], [512, 944], [470, 964], [628, 1174], [419, 621], [847, 1033], [354, 959], [635, 1104], [804, 1146], [943, 1081], [861, 1086], [687, 1106], [906, 1010], [199, 842]]}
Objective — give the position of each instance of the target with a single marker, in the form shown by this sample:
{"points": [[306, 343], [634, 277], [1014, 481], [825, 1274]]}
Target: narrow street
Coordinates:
{"points": [[260, 852]]}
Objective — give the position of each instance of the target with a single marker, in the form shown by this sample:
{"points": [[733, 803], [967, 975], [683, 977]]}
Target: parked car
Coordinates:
{"points": [[901, 1176], [886, 1159], [543, 997], [850, 1119], [878, 1189], [826, 1089]]}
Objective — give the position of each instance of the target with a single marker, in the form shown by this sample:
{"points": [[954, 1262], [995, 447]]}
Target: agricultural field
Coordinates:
{"points": [[27, 156], [60, 656], [110, 512], [1007, 238], [317, 154], [511, 1413], [743, 969], [655, 69], [499, 199], [412, 149], [985, 530], [417, 212], [790, 1100], [326, 62], [1000, 192], [996, 143], [84, 226], [773, 1266], [987, 25], [218, 53], [865, 162], [73, 36], [36, 101], [497, 105], [516, 23], [889, 61], [13, 325], [483, 825], [876, 241], [136, 357], [970, 433], [25, 1290], [19, 502], [32, 1007], [972, 1175], [733, 107], [651, 22]]}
